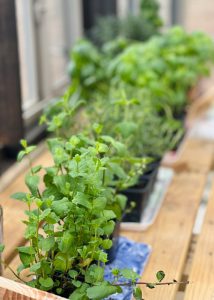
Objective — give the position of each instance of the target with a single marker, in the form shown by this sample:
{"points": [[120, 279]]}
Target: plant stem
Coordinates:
{"points": [[147, 283], [7, 266]]}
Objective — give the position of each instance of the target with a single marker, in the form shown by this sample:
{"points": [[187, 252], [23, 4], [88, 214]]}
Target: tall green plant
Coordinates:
{"points": [[166, 67]]}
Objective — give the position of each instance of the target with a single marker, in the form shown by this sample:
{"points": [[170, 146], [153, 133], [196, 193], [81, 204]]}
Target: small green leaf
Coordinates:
{"points": [[26, 259], [102, 291], [101, 148], [32, 182], [99, 204], [115, 272], [79, 293], [103, 257], [2, 248], [160, 275], [150, 285], [60, 262], [137, 293], [59, 291], [46, 282], [36, 169], [35, 267], [23, 143], [20, 196], [66, 242], [129, 274], [46, 244], [109, 227], [60, 207], [30, 149], [21, 154], [94, 274], [20, 268], [73, 273], [77, 283], [107, 244], [109, 214], [97, 128], [26, 249], [82, 199]]}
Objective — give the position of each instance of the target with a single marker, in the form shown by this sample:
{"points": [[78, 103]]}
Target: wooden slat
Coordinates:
{"points": [[200, 105], [171, 233], [14, 211], [11, 290], [197, 155], [201, 275]]}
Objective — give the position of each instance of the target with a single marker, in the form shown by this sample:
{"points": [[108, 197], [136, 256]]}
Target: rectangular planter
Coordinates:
{"points": [[11, 290]]}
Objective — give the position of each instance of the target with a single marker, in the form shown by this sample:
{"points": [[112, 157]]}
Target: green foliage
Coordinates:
{"points": [[135, 122], [59, 116], [76, 211], [132, 27], [166, 66], [26, 150], [86, 69]]}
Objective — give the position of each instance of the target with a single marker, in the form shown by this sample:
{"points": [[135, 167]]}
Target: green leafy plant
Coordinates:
{"points": [[69, 222], [166, 66], [136, 123], [86, 69], [140, 27]]}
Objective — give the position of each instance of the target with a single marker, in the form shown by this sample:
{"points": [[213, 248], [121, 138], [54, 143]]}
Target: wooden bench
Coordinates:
{"points": [[171, 235]]}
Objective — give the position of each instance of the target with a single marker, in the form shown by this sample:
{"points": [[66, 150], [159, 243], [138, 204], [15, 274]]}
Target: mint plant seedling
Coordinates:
{"points": [[69, 222]]}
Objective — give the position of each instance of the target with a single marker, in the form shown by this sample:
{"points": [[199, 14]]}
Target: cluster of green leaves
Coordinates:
{"points": [[86, 69], [158, 74], [136, 123], [69, 222], [167, 66], [141, 26]]}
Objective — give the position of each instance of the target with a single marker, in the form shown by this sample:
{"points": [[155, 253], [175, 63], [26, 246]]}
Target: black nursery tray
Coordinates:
{"points": [[151, 203], [139, 194]]}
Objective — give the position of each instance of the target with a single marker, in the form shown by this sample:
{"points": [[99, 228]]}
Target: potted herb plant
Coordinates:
{"points": [[68, 225]]}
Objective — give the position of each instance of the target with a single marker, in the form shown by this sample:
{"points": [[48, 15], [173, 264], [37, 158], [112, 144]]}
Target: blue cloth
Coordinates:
{"points": [[129, 255]]}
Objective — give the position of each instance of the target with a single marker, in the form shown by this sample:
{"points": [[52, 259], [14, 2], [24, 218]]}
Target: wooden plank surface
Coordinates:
{"points": [[11, 290], [201, 274], [171, 233], [197, 155], [13, 211]]}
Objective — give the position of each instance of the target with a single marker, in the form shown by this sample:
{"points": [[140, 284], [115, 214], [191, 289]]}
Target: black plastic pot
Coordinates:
{"points": [[141, 192], [180, 116], [112, 252], [139, 196]]}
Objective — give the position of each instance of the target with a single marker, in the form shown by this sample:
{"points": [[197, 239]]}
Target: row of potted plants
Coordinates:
{"points": [[139, 96], [111, 129]]}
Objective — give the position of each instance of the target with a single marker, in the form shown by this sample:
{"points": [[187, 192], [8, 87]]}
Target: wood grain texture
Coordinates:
{"points": [[171, 233], [11, 290], [197, 155], [201, 274], [200, 105], [14, 211]]}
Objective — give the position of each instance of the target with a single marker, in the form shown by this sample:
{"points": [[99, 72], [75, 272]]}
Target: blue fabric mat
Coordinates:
{"points": [[129, 255]]}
